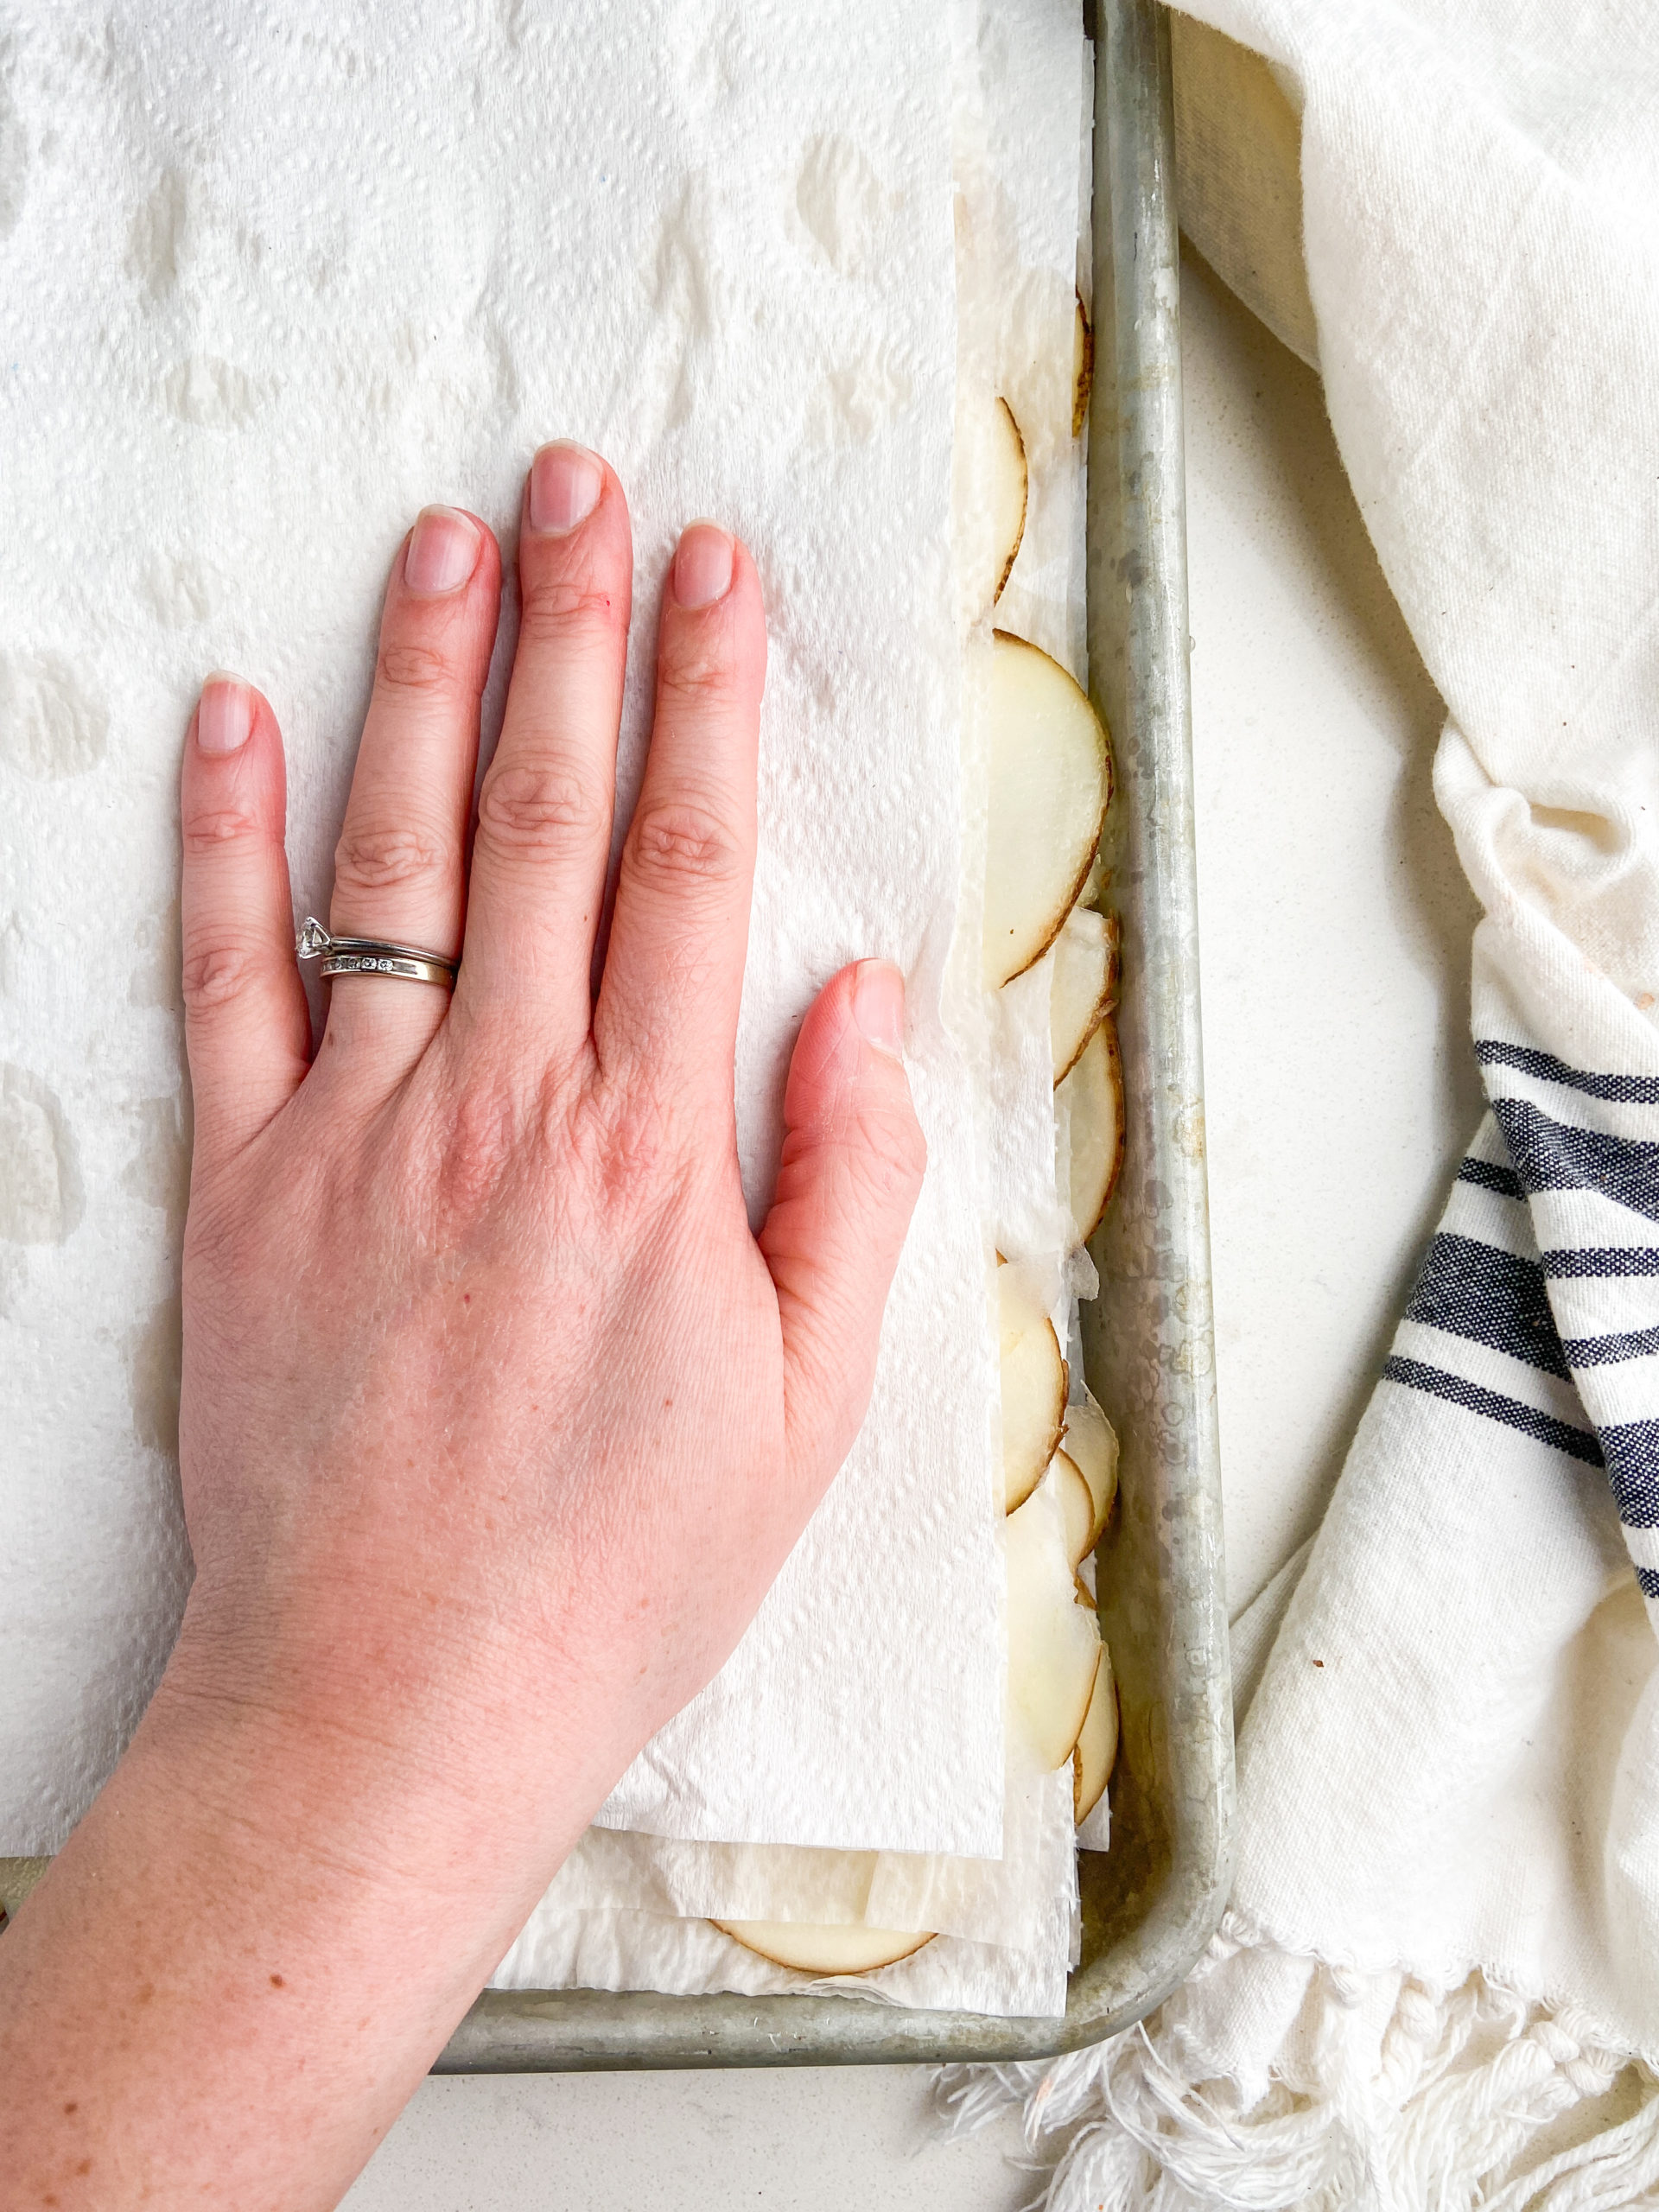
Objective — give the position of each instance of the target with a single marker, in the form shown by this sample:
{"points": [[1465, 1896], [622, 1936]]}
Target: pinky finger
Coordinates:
{"points": [[246, 1024]]}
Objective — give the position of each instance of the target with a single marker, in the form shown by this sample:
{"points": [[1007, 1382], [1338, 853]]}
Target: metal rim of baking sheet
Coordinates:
{"points": [[1149, 1904]]}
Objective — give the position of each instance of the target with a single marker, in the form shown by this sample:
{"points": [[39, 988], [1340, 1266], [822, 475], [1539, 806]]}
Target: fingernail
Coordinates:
{"points": [[702, 565], [442, 552], [225, 717], [565, 482], [879, 1005]]}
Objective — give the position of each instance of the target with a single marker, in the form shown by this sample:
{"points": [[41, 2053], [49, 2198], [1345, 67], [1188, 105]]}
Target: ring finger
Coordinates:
{"points": [[400, 864]]}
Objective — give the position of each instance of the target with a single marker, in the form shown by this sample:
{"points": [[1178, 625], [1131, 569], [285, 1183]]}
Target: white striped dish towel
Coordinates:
{"points": [[1438, 1983]]}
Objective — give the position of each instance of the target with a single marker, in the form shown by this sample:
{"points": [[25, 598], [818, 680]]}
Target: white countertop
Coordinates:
{"points": [[1340, 1090]]}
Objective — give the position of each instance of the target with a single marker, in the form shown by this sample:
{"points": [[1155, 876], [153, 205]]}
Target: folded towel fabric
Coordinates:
{"points": [[1438, 1982]]}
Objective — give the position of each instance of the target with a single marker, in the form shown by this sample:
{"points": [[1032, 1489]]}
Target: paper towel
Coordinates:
{"points": [[630, 1911], [618, 1949], [268, 281]]}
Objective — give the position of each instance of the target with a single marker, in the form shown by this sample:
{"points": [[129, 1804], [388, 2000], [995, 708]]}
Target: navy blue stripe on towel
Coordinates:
{"points": [[1489, 1296], [1492, 1177], [1632, 1452], [1578, 1443], [1610, 1352], [1551, 1155], [1625, 1089], [1601, 1262]]}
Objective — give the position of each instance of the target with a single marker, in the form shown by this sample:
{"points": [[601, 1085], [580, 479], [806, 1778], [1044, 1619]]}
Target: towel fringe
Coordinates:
{"points": [[1468, 2097]]}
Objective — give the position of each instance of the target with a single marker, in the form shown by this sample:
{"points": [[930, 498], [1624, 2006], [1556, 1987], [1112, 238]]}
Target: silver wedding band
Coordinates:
{"points": [[369, 956]]}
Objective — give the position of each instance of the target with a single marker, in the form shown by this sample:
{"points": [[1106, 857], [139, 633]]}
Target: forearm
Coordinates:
{"points": [[243, 1961]]}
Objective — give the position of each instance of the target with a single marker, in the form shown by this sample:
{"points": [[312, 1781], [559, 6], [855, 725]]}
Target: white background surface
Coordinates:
{"points": [[1340, 1090]]}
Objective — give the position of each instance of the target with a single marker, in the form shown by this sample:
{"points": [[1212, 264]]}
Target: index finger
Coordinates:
{"points": [[674, 967]]}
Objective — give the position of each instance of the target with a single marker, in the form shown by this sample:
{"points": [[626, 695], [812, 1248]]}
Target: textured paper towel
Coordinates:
{"points": [[626, 1911], [268, 281], [1019, 127], [991, 1900], [605, 1949]]}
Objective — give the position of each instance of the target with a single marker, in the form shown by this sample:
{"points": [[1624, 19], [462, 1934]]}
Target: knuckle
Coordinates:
{"points": [[369, 858], [536, 813], [696, 676], [214, 976], [410, 669], [628, 1145], [214, 827], [566, 612], [475, 1151], [683, 847]]}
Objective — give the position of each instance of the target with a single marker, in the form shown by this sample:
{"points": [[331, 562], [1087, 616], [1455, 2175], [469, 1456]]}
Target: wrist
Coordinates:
{"points": [[351, 1733], [247, 1891]]}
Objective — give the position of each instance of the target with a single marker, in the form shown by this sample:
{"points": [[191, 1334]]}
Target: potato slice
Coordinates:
{"points": [[1090, 1444], [992, 485], [808, 1948], [1094, 1753], [1050, 781], [1083, 367], [1033, 1389], [1094, 1096], [1053, 1641], [1077, 1507], [1083, 987]]}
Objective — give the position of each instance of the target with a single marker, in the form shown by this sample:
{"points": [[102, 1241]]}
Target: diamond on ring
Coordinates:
{"points": [[368, 955]]}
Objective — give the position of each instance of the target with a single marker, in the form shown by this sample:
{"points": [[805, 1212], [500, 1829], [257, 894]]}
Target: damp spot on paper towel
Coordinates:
{"points": [[14, 160], [840, 199], [155, 979], [156, 240], [11, 952], [175, 587], [159, 1171], [855, 402], [214, 394], [154, 1352], [40, 1200], [683, 297], [51, 724], [514, 18], [706, 59]]}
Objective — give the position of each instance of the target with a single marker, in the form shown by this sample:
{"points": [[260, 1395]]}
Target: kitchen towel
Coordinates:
{"points": [[268, 282], [1438, 1984]]}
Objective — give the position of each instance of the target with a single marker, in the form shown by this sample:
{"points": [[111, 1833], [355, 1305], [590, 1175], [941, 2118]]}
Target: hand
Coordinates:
{"points": [[482, 1360], [496, 1420]]}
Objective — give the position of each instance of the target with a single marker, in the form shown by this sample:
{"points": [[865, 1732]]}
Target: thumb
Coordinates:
{"points": [[852, 1165]]}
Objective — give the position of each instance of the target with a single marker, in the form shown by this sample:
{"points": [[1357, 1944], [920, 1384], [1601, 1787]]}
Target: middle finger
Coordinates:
{"points": [[544, 834]]}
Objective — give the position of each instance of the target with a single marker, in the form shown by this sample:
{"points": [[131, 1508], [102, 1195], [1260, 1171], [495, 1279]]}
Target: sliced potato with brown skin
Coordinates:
{"points": [[806, 1947], [1094, 1753], [1010, 490], [1053, 1641], [1094, 1095], [1082, 984], [1076, 1506], [1090, 1444], [1083, 367], [992, 489], [1033, 1388], [1050, 780]]}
